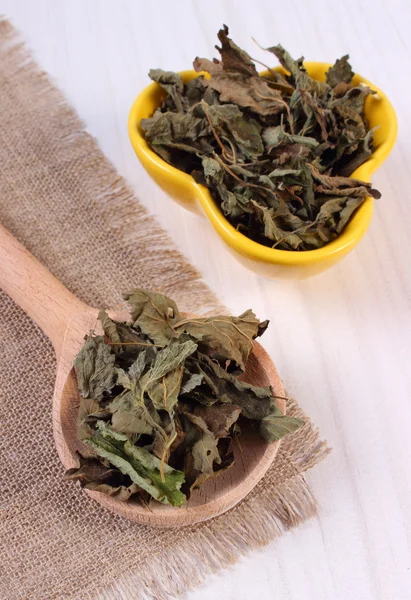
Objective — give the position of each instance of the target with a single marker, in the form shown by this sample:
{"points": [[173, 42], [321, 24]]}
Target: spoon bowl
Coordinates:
{"points": [[253, 455], [66, 320]]}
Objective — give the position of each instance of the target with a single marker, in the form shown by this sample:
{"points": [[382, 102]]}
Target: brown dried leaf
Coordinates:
{"points": [[155, 314], [340, 72], [230, 338]]}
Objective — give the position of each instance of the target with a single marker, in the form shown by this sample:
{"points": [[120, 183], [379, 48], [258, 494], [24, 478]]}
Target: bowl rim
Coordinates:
{"points": [[245, 246]]}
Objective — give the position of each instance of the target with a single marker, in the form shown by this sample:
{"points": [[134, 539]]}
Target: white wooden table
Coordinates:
{"points": [[342, 341]]}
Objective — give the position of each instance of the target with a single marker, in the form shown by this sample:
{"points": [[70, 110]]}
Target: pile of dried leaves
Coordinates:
{"points": [[161, 400], [276, 151]]}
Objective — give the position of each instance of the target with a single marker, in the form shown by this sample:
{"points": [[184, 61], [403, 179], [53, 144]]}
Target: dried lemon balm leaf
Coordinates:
{"points": [[161, 400]]}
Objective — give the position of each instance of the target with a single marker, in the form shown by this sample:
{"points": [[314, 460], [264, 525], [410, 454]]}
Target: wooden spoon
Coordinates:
{"points": [[66, 320]]}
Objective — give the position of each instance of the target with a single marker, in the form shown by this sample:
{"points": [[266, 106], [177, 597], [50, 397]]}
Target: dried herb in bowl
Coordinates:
{"points": [[276, 151], [161, 400]]}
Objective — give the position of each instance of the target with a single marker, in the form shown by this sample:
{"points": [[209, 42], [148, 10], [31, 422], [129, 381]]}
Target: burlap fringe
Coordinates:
{"points": [[255, 522], [189, 563]]}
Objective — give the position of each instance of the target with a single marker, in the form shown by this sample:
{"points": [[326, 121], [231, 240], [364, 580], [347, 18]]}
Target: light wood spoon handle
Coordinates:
{"points": [[36, 290]]}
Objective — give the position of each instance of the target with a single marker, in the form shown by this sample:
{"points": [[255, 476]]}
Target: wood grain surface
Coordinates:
{"points": [[341, 341]]}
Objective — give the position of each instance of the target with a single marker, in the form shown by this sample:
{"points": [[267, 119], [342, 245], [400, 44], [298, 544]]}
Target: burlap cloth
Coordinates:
{"points": [[65, 202]]}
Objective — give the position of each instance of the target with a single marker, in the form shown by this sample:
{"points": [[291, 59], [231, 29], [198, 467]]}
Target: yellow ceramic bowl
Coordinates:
{"points": [[267, 261]]}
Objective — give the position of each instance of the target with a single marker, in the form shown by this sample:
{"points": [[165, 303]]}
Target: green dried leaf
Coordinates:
{"points": [[272, 231], [255, 402], [142, 467], [162, 382], [109, 327], [127, 417], [172, 83], [167, 362], [138, 366], [94, 366], [336, 212], [164, 128], [284, 172], [164, 392], [275, 426], [230, 337], [129, 380], [299, 76], [176, 130], [364, 152], [274, 136], [205, 454], [213, 171], [234, 204], [229, 120]]}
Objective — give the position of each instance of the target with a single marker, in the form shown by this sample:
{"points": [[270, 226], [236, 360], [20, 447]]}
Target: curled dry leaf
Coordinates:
{"points": [[94, 475]]}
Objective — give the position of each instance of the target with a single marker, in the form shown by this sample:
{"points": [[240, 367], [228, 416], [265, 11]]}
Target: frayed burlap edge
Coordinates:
{"points": [[260, 518]]}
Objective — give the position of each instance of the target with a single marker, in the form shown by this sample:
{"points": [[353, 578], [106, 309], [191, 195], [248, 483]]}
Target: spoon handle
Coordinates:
{"points": [[35, 289]]}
